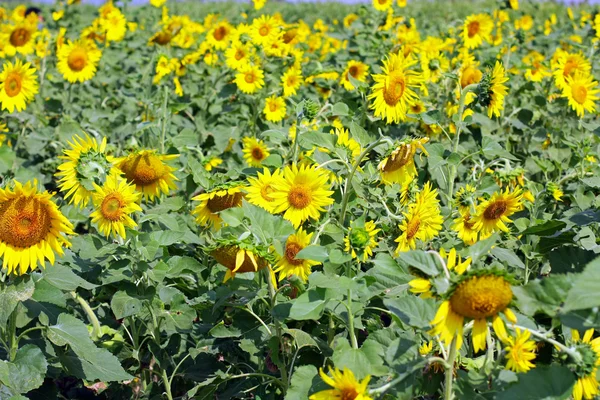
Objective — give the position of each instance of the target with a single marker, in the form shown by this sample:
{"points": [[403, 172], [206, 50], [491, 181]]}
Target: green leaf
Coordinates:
{"points": [[592, 182], [359, 134], [7, 159], [493, 150], [65, 279], [508, 257], [303, 379], [101, 364], [123, 305], [313, 252], [412, 310], [424, 262], [542, 383], [362, 362], [222, 331], [584, 292], [26, 372], [265, 225], [302, 338], [547, 228], [12, 295], [431, 117], [482, 248], [543, 295], [310, 304], [340, 109]]}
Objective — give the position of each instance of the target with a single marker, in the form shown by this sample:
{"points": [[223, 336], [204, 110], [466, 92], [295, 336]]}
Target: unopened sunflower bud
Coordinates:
{"points": [[484, 90], [310, 109]]}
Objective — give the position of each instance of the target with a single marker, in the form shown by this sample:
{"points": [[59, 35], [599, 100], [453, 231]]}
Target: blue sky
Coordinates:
{"points": [[343, 1]]}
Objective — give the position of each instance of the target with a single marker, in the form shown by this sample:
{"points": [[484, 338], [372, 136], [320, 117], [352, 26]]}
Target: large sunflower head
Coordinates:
{"points": [[399, 166], [86, 163], [250, 79], [261, 187], [19, 38], [288, 264], [150, 172], [492, 215], [477, 29], [113, 203], [32, 228], [77, 61], [239, 256], [582, 92], [216, 200], [18, 85], [255, 151], [492, 90]]}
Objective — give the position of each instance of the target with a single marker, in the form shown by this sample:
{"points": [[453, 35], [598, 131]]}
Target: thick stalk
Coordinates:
{"points": [[96, 331], [449, 378], [273, 294]]}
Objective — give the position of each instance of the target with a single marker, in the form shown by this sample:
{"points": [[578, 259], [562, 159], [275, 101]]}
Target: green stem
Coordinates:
{"points": [[35, 328], [449, 378], [164, 119], [96, 331], [351, 331], [278, 331], [167, 384], [13, 343]]}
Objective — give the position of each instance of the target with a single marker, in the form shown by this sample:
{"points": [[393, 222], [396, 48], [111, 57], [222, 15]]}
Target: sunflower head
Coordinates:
{"points": [[481, 294], [216, 200], [240, 256], [149, 172]]}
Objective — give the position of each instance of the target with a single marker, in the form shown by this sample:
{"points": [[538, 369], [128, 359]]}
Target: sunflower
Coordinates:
{"points": [[520, 351], [434, 64], [32, 228], [218, 37], [422, 286], [215, 201], [492, 215], [514, 4], [477, 29], [149, 172], [383, 5], [582, 92], [264, 30], [347, 143], [288, 264], [478, 296], [587, 386], [255, 151], [568, 65], [115, 25], [492, 90], [423, 220], [238, 56], [464, 227], [85, 163], [344, 386], [212, 163], [291, 81], [301, 193], [19, 38], [18, 85], [361, 240], [250, 79], [274, 108], [258, 4], [113, 203], [239, 258], [77, 61], [356, 69], [392, 93], [261, 187], [399, 165]]}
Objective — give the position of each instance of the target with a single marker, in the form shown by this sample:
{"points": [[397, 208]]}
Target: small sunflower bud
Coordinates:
{"points": [[484, 90], [310, 109]]}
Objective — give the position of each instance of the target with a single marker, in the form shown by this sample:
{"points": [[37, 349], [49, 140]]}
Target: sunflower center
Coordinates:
{"points": [[381, 2], [24, 222], [291, 81], [481, 296], [289, 36], [495, 210], [239, 54], [413, 227], [249, 77], [579, 93], [473, 28], [144, 169], [291, 249], [299, 197], [226, 256], [273, 107], [111, 207], [469, 76], [220, 33], [570, 67], [77, 59], [265, 192], [12, 85], [162, 38], [394, 88], [20, 37], [257, 153], [220, 203], [264, 30], [399, 158], [359, 237], [350, 393]]}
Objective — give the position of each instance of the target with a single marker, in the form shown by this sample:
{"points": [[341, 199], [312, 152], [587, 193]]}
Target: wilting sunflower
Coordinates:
{"points": [[582, 92], [215, 201], [302, 193], [77, 61], [478, 296], [18, 85], [85, 163], [288, 264], [113, 203], [250, 79], [32, 228], [423, 220], [344, 386], [587, 386], [291, 81], [492, 215], [477, 29], [274, 108], [239, 257], [261, 187], [399, 165], [358, 70], [392, 93], [492, 90], [264, 30], [149, 172], [255, 151], [520, 351], [361, 240]]}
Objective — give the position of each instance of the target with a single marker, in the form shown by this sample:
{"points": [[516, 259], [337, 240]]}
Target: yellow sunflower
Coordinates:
{"points": [[347, 143], [275, 108], [264, 30], [288, 264], [261, 187], [32, 228], [383, 5], [239, 258], [496, 90], [250, 79], [85, 163], [582, 92], [477, 29], [358, 70], [19, 38], [434, 64], [422, 285], [392, 93], [492, 215], [568, 65], [149, 172], [291, 81], [255, 151], [361, 240], [476, 297], [520, 351], [77, 61], [215, 201], [212, 163], [399, 165], [238, 56], [113, 203], [18, 85], [464, 227], [218, 37], [423, 220], [587, 386], [302, 193], [344, 386]]}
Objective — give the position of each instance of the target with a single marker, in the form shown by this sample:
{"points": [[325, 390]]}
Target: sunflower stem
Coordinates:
{"points": [[96, 331], [13, 343], [167, 384], [278, 331], [449, 378], [163, 131]]}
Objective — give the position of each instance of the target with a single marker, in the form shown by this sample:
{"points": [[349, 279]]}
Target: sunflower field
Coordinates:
{"points": [[299, 201]]}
